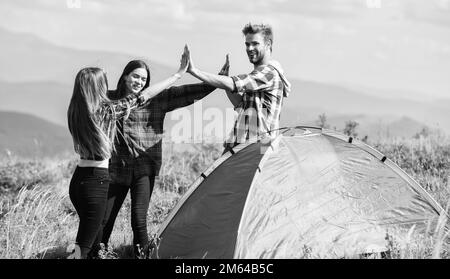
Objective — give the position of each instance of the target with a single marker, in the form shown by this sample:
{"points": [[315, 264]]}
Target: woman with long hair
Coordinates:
{"points": [[92, 120], [137, 160]]}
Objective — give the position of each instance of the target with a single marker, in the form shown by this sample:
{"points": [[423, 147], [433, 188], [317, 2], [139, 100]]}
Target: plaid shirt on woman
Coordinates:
{"points": [[262, 94], [139, 137], [110, 112]]}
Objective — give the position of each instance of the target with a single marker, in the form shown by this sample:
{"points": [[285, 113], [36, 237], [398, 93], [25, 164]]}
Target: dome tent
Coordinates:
{"points": [[309, 189]]}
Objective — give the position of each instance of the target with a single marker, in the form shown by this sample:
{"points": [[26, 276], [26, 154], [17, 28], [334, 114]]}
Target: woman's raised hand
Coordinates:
{"points": [[184, 62], [191, 68]]}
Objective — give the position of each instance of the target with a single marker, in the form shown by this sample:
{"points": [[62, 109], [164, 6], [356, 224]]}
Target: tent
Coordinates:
{"points": [[308, 190]]}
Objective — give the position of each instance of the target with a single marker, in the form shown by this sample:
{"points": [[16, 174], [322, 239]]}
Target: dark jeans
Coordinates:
{"points": [[141, 191], [88, 192]]}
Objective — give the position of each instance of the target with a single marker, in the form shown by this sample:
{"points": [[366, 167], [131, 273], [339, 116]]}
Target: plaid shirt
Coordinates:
{"points": [[262, 94], [117, 109], [113, 111], [139, 142]]}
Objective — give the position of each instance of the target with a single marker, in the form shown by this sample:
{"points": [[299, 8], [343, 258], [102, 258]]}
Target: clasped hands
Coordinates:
{"points": [[187, 64]]}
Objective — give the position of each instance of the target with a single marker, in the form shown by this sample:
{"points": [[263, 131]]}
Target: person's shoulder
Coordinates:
{"points": [[266, 68], [261, 69]]}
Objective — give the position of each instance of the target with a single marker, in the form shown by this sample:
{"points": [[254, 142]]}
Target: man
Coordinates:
{"points": [[257, 96]]}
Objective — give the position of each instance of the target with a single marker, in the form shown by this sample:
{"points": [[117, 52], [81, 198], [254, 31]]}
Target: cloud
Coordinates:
{"points": [[342, 34], [435, 12], [443, 5], [437, 47], [314, 24], [178, 10], [343, 30], [380, 55], [311, 8], [424, 45]]}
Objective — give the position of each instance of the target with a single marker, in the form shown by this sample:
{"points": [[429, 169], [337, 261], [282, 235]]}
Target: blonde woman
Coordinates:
{"points": [[92, 123]]}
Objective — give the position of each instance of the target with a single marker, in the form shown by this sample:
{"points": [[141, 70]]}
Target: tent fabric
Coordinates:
{"points": [[210, 217], [313, 190]]}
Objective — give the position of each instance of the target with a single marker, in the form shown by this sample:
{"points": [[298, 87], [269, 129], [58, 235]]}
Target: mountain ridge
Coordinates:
{"points": [[28, 135], [44, 86]]}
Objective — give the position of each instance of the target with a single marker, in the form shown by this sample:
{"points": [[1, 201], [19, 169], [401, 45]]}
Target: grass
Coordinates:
{"points": [[426, 159], [37, 219]]}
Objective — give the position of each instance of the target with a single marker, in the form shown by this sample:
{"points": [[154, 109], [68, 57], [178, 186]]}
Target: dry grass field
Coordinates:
{"points": [[37, 219]]}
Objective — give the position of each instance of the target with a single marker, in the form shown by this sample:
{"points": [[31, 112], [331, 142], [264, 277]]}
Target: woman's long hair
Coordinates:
{"points": [[121, 90], [92, 130]]}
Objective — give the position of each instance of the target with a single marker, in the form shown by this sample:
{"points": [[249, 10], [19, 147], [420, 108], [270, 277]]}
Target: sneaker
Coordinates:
{"points": [[139, 252], [155, 241], [148, 250], [76, 252], [109, 253], [103, 253]]}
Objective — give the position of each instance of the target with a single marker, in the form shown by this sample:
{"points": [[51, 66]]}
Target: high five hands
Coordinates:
{"points": [[184, 61], [191, 66]]}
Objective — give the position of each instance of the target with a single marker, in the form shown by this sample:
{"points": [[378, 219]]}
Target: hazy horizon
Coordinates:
{"points": [[391, 47]]}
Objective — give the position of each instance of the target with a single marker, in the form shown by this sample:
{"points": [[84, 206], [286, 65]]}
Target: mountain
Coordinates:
{"points": [[376, 127], [48, 100], [27, 135], [27, 58], [445, 103], [338, 100], [36, 77]]}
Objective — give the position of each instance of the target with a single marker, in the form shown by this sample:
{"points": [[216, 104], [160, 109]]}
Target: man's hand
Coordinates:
{"points": [[235, 99], [191, 68], [226, 67], [218, 81]]}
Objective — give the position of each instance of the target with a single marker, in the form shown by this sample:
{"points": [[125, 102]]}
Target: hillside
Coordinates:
{"points": [[338, 100], [27, 135], [376, 128], [27, 58], [44, 87], [47, 100]]}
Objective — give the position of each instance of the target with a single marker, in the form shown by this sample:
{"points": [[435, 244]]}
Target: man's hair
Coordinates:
{"points": [[264, 29]]}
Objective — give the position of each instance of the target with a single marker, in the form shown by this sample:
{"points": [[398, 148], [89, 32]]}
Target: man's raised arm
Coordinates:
{"points": [[223, 82], [235, 99]]}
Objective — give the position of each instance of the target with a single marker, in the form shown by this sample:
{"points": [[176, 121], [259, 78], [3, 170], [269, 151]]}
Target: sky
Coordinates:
{"points": [[391, 45]]}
